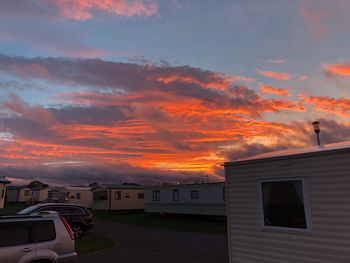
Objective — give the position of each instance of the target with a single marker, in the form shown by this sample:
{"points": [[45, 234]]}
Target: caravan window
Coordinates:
{"points": [[156, 195], [284, 204]]}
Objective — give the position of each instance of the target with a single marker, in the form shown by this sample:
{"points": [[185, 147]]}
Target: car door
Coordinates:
{"points": [[15, 243], [43, 233]]}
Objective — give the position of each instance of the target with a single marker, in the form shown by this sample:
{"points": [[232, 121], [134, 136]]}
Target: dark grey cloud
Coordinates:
{"points": [[82, 175], [102, 75]]}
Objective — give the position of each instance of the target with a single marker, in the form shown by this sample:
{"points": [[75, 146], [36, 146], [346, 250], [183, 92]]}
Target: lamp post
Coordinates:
{"points": [[316, 125]]}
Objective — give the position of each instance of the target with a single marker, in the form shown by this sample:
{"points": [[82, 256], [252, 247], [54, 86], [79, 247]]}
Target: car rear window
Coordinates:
{"points": [[13, 234], [43, 231]]}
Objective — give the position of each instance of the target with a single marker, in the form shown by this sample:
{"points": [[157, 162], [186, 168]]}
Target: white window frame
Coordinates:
{"points": [[305, 188]]}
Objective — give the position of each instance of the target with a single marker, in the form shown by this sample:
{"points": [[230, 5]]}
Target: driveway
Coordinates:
{"points": [[139, 244]]}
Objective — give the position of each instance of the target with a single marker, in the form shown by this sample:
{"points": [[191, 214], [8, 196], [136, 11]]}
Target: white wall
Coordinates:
{"points": [[328, 179], [85, 197], [210, 202]]}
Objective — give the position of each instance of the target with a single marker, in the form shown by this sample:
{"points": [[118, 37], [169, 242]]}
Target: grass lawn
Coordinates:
{"points": [[92, 242], [171, 222], [11, 209]]}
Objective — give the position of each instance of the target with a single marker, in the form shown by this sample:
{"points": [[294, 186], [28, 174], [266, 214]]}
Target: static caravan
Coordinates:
{"points": [[40, 194], [290, 206], [80, 195], [20, 194], [118, 197], [57, 195], [196, 199], [3, 183]]}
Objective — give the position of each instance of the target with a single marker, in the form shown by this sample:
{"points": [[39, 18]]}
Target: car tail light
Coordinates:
{"points": [[66, 225]]}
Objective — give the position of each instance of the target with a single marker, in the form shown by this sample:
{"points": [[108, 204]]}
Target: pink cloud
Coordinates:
{"points": [[274, 90], [273, 61], [275, 75], [302, 77], [82, 9]]}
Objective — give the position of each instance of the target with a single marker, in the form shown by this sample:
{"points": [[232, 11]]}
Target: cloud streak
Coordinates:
{"points": [[275, 75]]}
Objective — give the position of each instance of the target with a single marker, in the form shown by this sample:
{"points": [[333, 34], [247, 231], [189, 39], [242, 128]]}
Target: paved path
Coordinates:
{"points": [[139, 244]]}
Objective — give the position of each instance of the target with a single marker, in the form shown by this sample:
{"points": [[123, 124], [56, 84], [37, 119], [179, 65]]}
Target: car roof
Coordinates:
{"points": [[59, 204], [45, 215]]}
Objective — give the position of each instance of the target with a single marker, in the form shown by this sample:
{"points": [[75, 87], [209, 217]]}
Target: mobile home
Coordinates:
{"points": [[3, 183], [19, 194], [290, 206], [197, 199], [80, 195], [118, 197]]}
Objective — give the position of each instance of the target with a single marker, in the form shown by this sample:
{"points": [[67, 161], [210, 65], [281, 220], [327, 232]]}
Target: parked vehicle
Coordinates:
{"points": [[79, 217], [44, 237]]}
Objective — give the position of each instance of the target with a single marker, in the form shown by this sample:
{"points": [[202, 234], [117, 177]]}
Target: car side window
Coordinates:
{"points": [[62, 210], [43, 231], [77, 211], [14, 234]]}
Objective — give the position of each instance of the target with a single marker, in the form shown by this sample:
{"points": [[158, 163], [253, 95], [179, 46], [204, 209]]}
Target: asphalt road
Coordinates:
{"points": [[139, 244]]}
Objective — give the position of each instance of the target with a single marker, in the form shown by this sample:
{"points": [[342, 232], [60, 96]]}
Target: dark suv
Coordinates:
{"points": [[79, 217]]}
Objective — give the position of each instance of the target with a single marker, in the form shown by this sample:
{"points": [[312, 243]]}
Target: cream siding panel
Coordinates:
{"points": [[85, 197], [133, 202], [328, 181]]}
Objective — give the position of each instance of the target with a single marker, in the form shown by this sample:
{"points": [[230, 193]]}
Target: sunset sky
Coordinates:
{"points": [[151, 91]]}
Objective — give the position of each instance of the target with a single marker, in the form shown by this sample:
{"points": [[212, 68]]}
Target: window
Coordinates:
{"points": [[283, 204], [100, 195], [175, 194], [43, 231], [14, 234], [224, 193], [26, 193], [156, 195], [127, 195], [118, 195], [78, 196], [76, 211], [194, 194], [140, 195], [62, 210]]}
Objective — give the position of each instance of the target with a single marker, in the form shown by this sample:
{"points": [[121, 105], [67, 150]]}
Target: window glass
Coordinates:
{"points": [[62, 210], [26, 193], [14, 233], [76, 211], [156, 195], [175, 194], [283, 204], [194, 194], [140, 195], [78, 196], [100, 195], [43, 231], [118, 195]]}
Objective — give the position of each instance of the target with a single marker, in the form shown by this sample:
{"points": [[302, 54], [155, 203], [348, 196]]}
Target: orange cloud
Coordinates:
{"points": [[340, 106], [82, 9], [275, 75], [275, 91], [337, 69]]}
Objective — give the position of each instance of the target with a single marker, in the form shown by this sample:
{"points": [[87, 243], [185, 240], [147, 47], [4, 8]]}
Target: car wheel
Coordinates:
{"points": [[78, 230]]}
